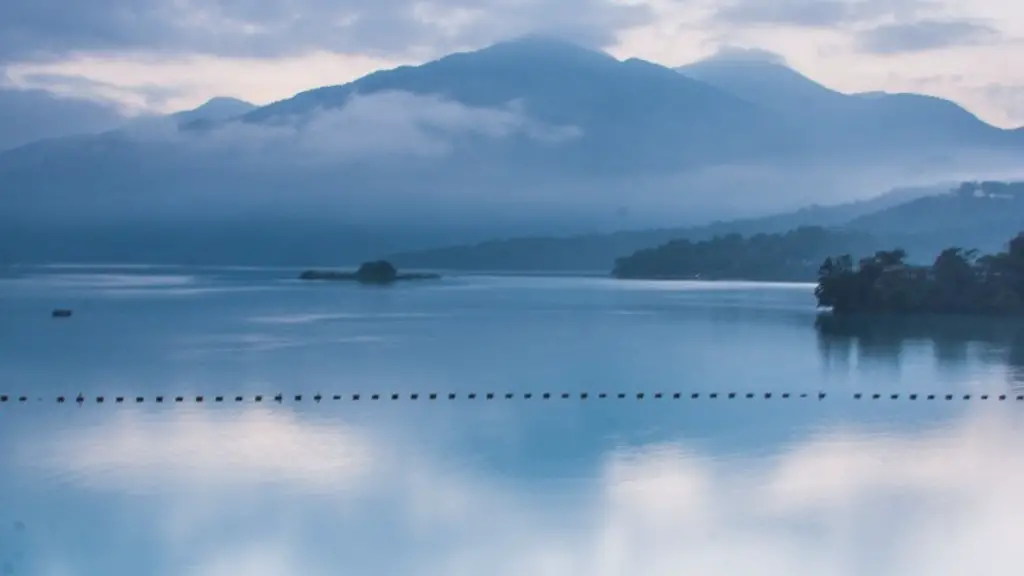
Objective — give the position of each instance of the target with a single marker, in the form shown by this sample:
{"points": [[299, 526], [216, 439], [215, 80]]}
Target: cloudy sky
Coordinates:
{"points": [[165, 55]]}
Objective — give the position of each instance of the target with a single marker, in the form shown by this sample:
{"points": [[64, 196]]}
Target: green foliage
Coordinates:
{"points": [[958, 282], [790, 256]]}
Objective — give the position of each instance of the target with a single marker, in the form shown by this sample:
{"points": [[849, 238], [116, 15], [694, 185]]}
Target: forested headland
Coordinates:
{"points": [[792, 256], [959, 281]]}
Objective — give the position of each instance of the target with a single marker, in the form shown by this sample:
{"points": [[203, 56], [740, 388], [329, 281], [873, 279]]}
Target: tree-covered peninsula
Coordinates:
{"points": [[792, 256], [959, 281]]}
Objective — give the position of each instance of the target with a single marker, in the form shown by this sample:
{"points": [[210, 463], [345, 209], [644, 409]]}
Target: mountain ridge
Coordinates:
{"points": [[516, 139], [597, 252], [921, 220], [907, 118]]}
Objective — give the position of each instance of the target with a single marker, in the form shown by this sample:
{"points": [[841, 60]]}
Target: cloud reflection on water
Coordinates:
{"points": [[131, 453], [387, 493]]}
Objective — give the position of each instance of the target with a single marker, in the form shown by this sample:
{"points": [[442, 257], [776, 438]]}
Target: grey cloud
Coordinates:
{"points": [[924, 35], [1010, 98], [48, 29], [383, 124], [153, 96], [932, 81], [28, 115], [814, 13], [800, 12]]}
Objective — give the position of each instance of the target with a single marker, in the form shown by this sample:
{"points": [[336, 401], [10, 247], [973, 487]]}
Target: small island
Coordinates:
{"points": [[959, 282], [376, 272]]}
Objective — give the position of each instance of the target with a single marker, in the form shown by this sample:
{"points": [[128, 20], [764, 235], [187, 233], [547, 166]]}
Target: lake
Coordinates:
{"points": [[768, 462]]}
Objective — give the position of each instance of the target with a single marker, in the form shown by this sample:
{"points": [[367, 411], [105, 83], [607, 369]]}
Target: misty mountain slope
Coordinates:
{"points": [[923, 221], [28, 115], [522, 136], [632, 115], [975, 215], [880, 119], [597, 252], [926, 118], [765, 79], [533, 137], [218, 109], [214, 112], [555, 78]]}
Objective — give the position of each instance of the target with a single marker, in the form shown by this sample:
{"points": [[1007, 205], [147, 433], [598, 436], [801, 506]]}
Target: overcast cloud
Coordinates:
{"points": [[166, 55], [53, 29], [816, 13], [925, 35]]}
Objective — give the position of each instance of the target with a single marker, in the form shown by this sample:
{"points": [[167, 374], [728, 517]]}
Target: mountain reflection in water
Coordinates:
{"points": [[826, 488]]}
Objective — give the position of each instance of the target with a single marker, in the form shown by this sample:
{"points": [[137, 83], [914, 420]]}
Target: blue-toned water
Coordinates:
{"points": [[665, 486]]}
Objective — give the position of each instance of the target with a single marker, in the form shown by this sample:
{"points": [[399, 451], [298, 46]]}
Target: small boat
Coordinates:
{"points": [[61, 313]]}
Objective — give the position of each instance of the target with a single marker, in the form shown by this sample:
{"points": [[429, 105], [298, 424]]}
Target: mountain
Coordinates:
{"points": [[979, 215], [531, 137], [923, 221], [765, 79], [791, 256], [634, 116], [597, 252], [214, 110], [883, 120], [503, 133], [28, 115]]}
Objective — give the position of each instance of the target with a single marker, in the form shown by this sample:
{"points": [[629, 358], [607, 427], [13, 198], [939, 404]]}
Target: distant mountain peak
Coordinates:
{"points": [[220, 104], [225, 101], [216, 109], [747, 55], [760, 76], [733, 60], [541, 44]]}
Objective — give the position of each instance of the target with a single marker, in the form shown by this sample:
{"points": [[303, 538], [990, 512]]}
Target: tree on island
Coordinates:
{"points": [[377, 272], [958, 282]]}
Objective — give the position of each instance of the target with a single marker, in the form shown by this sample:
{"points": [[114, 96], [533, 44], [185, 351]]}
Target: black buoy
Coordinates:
{"points": [[61, 313]]}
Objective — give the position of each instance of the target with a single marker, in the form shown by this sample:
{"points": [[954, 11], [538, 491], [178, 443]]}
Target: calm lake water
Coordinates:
{"points": [[774, 486]]}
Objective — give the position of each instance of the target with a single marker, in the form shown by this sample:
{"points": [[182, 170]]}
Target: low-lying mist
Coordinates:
{"points": [[417, 171]]}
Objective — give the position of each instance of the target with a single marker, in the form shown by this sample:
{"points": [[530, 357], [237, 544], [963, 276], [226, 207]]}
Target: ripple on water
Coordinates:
{"points": [[314, 317]]}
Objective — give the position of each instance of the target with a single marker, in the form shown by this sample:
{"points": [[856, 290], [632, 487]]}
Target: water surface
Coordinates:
{"points": [[509, 487], [235, 330]]}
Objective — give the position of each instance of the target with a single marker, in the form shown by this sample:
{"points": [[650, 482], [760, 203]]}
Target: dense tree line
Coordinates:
{"points": [[789, 256], [958, 282]]}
